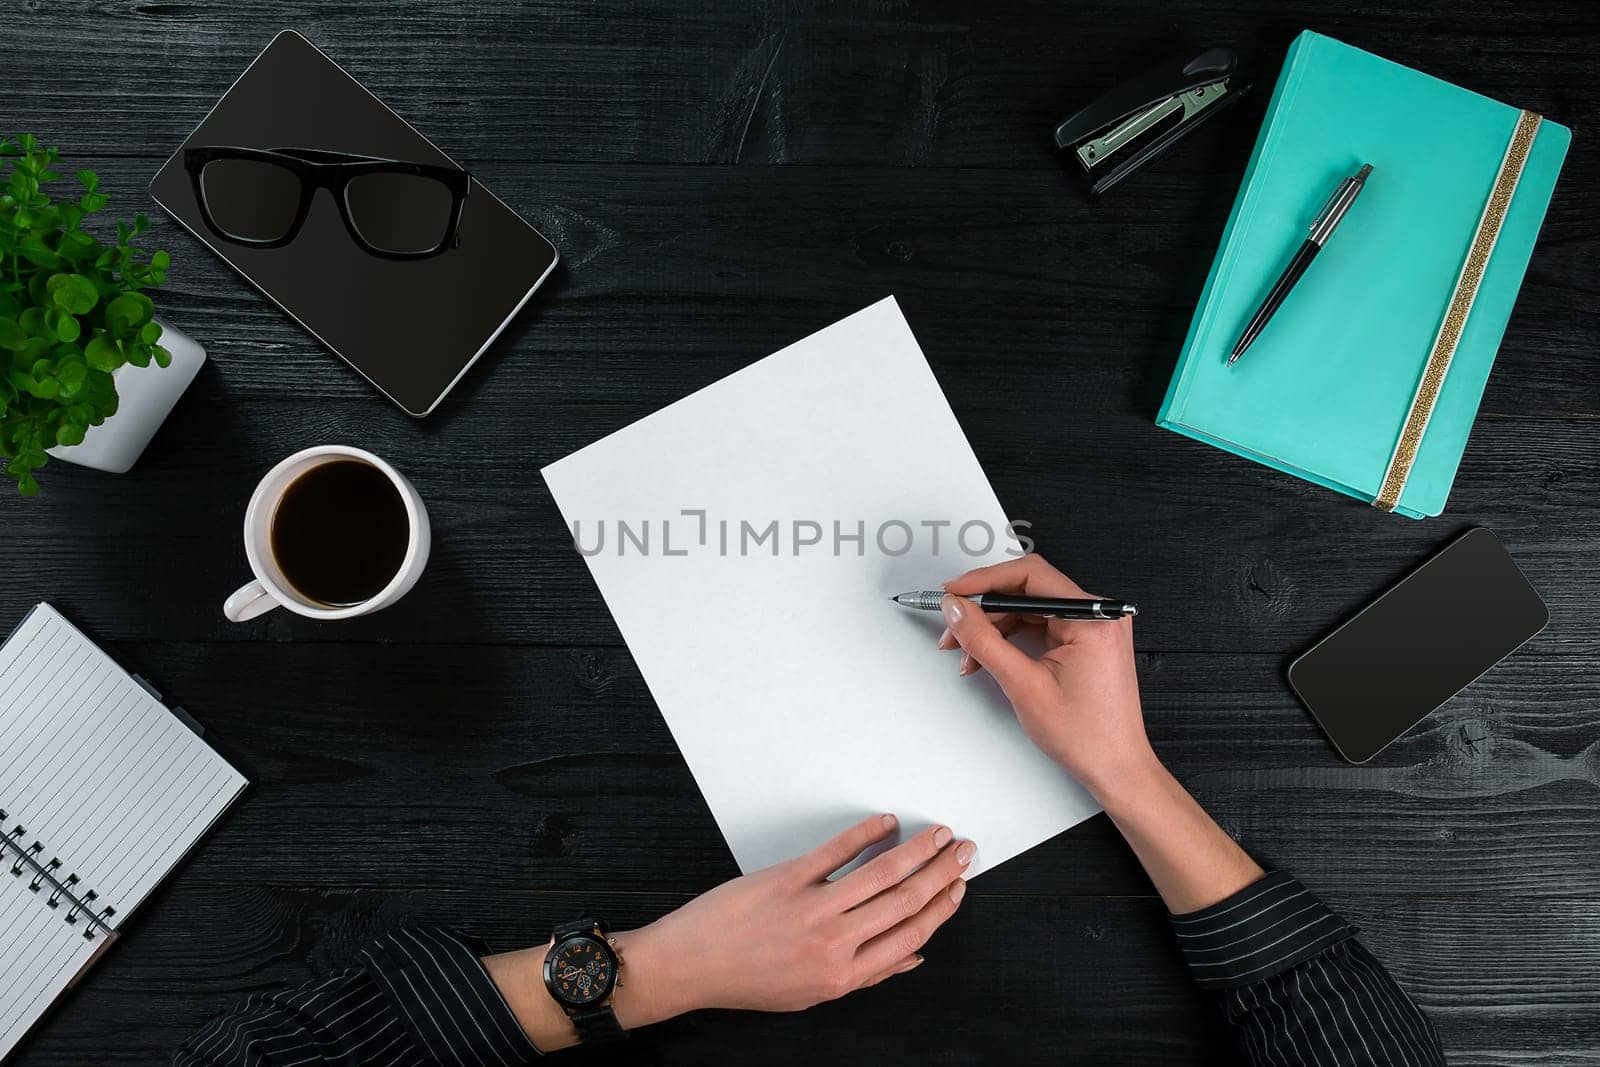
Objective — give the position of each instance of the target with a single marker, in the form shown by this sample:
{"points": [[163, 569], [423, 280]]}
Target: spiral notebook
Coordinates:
{"points": [[102, 792]]}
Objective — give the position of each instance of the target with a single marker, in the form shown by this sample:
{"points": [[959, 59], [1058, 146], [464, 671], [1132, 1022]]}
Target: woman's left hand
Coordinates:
{"points": [[785, 938], [780, 939]]}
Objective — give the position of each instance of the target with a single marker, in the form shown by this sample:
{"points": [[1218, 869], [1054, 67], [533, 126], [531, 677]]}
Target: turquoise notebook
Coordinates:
{"points": [[1336, 389]]}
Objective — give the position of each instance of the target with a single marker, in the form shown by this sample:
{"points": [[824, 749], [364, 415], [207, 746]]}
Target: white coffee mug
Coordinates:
{"points": [[271, 589]]}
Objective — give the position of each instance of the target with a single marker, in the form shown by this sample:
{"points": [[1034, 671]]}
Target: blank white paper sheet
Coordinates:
{"points": [[802, 699]]}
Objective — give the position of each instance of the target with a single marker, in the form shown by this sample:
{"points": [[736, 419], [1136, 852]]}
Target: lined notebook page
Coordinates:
{"points": [[106, 779], [39, 955]]}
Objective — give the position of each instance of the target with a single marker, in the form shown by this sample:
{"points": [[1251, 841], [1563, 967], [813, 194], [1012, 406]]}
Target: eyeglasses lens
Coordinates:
{"points": [[250, 200], [404, 213]]}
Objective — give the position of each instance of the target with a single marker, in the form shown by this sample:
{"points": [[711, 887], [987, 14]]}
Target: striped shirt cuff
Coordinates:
{"points": [[1262, 930], [437, 981]]}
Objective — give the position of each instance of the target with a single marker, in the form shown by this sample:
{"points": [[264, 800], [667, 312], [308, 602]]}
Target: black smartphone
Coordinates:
{"points": [[1418, 645]]}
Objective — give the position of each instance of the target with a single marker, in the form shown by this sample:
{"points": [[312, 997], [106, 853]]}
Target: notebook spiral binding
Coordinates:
{"points": [[25, 861]]}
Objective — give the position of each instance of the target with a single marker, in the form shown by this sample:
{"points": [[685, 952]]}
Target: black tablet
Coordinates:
{"points": [[406, 272]]}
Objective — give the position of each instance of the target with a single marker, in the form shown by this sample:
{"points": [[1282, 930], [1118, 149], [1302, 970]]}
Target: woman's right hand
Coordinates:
{"points": [[1079, 701]]}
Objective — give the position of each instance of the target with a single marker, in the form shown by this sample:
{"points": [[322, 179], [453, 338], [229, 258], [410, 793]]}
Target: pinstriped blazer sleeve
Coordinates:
{"points": [[420, 996], [1297, 987]]}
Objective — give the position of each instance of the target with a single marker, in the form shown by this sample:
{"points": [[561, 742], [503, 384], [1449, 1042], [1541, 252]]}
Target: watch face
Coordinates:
{"points": [[580, 970]]}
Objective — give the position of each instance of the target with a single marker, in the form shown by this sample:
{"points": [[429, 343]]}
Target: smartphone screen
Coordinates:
{"points": [[1418, 645]]}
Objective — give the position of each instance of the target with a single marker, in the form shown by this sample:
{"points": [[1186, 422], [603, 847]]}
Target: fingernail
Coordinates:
{"points": [[958, 891], [951, 606], [889, 822], [947, 641], [942, 836], [968, 665], [914, 964], [965, 851]]}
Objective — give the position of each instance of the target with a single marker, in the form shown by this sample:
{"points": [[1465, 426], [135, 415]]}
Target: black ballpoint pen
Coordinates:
{"points": [[1326, 222], [1046, 607]]}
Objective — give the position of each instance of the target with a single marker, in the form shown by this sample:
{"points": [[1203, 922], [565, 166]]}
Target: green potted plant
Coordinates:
{"points": [[79, 341]]}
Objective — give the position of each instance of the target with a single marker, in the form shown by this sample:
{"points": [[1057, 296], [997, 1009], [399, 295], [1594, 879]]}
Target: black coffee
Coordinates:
{"points": [[340, 532]]}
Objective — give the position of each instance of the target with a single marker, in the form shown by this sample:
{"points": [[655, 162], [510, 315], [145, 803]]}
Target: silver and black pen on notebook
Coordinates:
{"points": [[1322, 228], [1044, 607]]}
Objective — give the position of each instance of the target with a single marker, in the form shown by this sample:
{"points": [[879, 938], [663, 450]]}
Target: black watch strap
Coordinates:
{"points": [[580, 926], [598, 1027]]}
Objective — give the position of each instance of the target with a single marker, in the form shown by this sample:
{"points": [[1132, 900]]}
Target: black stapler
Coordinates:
{"points": [[1137, 121]]}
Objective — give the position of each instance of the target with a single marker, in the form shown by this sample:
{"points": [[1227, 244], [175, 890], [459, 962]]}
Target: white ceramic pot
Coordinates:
{"points": [[145, 396]]}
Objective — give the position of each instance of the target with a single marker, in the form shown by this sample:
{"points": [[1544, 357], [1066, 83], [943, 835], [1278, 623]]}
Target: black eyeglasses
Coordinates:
{"points": [[260, 197]]}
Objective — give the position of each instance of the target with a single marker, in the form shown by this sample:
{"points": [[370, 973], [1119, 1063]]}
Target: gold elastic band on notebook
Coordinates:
{"points": [[1455, 316]]}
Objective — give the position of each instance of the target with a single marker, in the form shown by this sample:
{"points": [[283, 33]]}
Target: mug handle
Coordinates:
{"points": [[248, 601]]}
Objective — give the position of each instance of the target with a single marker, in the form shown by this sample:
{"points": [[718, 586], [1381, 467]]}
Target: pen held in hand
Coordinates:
{"points": [[1044, 607]]}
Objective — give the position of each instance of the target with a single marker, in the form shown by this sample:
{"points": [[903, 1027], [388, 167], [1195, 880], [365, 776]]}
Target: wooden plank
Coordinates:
{"points": [[1086, 973], [939, 83], [551, 770]]}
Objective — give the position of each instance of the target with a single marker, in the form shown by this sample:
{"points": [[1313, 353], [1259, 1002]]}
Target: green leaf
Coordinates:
{"points": [[70, 434], [101, 353], [72, 293], [150, 333], [45, 389], [92, 202], [12, 335], [89, 180], [72, 373], [160, 260], [128, 312], [27, 485], [99, 390], [63, 325], [34, 251], [162, 356]]}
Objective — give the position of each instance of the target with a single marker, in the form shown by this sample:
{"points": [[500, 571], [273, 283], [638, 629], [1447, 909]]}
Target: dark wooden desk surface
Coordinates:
{"points": [[722, 180]]}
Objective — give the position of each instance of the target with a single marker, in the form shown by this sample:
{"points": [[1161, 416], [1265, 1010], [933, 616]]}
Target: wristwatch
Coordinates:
{"points": [[581, 972]]}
